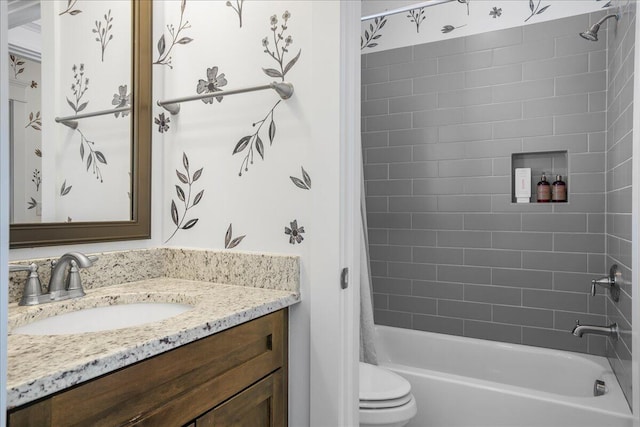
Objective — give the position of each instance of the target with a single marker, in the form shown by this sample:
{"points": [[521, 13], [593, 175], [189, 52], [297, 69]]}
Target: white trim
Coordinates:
{"points": [[333, 337], [4, 206], [25, 52], [350, 187], [635, 239]]}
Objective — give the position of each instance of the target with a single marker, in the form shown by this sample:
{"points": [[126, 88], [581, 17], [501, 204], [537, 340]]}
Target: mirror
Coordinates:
{"points": [[80, 121]]}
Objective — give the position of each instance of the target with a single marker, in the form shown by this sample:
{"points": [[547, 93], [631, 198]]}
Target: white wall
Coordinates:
{"points": [[4, 207], [400, 31]]}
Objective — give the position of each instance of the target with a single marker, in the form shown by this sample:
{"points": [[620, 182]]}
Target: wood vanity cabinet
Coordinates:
{"points": [[236, 377]]}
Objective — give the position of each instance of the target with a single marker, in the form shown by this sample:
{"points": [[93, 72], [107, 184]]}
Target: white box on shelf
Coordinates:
{"points": [[522, 185]]}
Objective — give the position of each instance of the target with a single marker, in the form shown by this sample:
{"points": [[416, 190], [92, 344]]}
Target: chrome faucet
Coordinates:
{"points": [[610, 331], [59, 288]]}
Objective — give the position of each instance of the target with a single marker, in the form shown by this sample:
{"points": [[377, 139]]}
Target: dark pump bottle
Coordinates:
{"points": [[543, 190], [559, 190]]}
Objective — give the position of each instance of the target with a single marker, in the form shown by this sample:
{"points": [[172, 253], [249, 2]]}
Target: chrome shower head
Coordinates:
{"points": [[592, 33]]}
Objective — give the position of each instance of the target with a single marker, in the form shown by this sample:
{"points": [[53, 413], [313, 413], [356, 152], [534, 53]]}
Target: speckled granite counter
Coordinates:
{"points": [[41, 365]]}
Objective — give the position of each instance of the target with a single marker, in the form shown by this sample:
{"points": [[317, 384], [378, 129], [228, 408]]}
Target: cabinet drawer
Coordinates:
{"points": [[172, 388], [261, 405]]}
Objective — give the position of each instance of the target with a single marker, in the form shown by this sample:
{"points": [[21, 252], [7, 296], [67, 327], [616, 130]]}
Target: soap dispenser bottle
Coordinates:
{"points": [[559, 190], [544, 190]]}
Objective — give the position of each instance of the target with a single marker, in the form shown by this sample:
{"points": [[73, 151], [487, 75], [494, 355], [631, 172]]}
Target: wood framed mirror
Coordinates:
{"points": [[32, 234]]}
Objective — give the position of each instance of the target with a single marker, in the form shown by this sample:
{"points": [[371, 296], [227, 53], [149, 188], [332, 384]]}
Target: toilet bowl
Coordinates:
{"points": [[385, 398]]}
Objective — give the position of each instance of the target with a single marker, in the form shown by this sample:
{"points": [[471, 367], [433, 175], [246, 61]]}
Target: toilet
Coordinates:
{"points": [[385, 398]]}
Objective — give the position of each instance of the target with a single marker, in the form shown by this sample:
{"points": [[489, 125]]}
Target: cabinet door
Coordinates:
{"points": [[261, 405]]}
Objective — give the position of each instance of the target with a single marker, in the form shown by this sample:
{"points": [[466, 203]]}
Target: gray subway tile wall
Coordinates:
{"points": [[452, 253], [619, 101]]}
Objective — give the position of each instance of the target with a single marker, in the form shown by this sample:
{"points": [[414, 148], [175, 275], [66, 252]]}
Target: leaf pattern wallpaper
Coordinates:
{"points": [[186, 200], [24, 75], [304, 183], [164, 52], [278, 51], [16, 64], [535, 9], [417, 16], [192, 134], [71, 4], [231, 242], [237, 7], [35, 121], [64, 189], [458, 18], [80, 86], [373, 33], [103, 32]]}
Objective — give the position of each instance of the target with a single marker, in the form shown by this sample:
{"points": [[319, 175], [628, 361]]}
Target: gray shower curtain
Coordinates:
{"points": [[367, 345]]}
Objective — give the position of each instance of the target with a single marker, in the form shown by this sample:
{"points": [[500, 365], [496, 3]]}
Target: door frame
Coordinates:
{"points": [[335, 131], [4, 206]]}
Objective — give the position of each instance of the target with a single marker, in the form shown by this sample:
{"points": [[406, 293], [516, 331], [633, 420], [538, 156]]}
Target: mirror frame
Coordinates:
{"points": [[47, 234]]}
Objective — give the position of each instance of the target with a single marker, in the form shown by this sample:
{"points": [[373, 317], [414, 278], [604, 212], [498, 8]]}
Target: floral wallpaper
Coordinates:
{"points": [[94, 75], [460, 18], [246, 143], [24, 80], [279, 52], [75, 83]]}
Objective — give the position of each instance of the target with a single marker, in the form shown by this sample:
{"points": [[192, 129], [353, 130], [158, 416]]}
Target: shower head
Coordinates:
{"points": [[592, 33]]}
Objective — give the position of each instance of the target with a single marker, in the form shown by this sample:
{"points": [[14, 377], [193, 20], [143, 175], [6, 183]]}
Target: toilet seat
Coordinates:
{"points": [[381, 388], [384, 404], [389, 417], [385, 398]]}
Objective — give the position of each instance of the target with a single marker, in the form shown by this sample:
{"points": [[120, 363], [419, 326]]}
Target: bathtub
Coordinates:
{"points": [[467, 382]]}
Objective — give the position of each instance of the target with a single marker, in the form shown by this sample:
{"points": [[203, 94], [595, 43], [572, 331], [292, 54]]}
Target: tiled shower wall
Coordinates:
{"points": [[449, 251], [620, 53]]}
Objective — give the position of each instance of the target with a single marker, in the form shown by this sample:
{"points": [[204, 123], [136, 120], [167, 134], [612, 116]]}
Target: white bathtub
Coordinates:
{"points": [[466, 382]]}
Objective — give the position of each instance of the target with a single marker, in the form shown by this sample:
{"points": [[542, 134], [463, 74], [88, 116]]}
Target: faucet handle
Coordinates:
{"points": [[22, 267], [605, 282], [32, 286], [610, 282], [74, 284]]}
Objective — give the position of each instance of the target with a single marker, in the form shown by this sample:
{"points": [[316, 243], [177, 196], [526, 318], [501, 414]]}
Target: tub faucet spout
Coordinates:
{"points": [[610, 331]]}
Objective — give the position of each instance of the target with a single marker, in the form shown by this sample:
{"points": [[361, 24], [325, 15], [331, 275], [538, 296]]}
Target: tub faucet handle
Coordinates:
{"points": [[605, 282], [610, 282]]}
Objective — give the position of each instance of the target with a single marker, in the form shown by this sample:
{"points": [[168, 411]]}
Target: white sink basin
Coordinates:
{"points": [[105, 318]]}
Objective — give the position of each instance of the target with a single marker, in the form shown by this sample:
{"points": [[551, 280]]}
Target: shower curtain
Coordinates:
{"points": [[367, 346]]}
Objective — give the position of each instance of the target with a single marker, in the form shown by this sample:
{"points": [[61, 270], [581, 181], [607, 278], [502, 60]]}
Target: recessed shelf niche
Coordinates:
{"points": [[551, 163]]}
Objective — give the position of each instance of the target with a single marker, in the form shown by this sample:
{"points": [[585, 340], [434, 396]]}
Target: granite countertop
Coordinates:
{"points": [[41, 365]]}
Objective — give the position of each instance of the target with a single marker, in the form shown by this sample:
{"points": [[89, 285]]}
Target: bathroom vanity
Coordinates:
{"points": [[222, 362], [235, 377]]}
